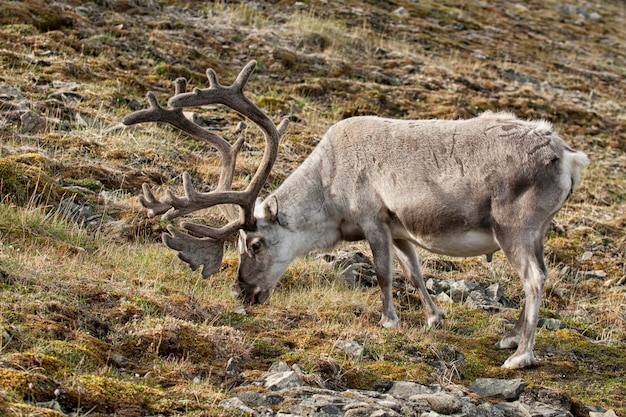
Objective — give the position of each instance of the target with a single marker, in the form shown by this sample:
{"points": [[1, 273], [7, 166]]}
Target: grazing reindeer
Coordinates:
{"points": [[454, 187]]}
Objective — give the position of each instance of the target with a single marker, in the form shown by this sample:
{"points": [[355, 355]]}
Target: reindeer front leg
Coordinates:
{"points": [[378, 236]]}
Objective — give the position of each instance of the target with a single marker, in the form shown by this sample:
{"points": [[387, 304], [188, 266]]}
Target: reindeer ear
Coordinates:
{"points": [[243, 236], [271, 209]]}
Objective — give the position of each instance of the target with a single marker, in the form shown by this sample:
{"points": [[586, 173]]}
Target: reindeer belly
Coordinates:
{"points": [[460, 243], [448, 225]]}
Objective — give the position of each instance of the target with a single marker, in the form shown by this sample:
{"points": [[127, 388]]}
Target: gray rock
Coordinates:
{"points": [[460, 290], [441, 402], [478, 299], [280, 366], [488, 410], [349, 347], [551, 324], [609, 413], [321, 405], [543, 410], [235, 403], [405, 389], [513, 409], [282, 380], [256, 399], [433, 286], [495, 292], [508, 389], [444, 298], [401, 12]]}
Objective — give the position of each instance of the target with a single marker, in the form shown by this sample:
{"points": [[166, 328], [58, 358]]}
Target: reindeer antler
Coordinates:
{"points": [[208, 250]]}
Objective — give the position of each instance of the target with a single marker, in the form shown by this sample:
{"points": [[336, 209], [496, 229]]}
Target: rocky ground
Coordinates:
{"points": [[98, 319]]}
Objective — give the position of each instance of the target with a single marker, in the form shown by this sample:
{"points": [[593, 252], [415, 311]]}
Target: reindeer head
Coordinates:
{"points": [[205, 247], [264, 254]]}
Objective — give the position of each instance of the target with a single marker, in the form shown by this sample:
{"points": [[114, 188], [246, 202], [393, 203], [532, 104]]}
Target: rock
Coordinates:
{"points": [[444, 298], [433, 286], [321, 405], [256, 399], [349, 347], [405, 390], [586, 256], [280, 366], [543, 410], [609, 413], [460, 290], [282, 380], [551, 324], [597, 274], [512, 409], [488, 410], [508, 389], [495, 292], [360, 274], [401, 12], [403, 398], [235, 403], [478, 299], [441, 403]]}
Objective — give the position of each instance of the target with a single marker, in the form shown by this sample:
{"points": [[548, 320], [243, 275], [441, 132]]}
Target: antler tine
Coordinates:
{"points": [[208, 250], [171, 205], [233, 97]]}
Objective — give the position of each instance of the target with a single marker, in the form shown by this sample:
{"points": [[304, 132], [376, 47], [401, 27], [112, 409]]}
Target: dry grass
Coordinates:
{"points": [[121, 327]]}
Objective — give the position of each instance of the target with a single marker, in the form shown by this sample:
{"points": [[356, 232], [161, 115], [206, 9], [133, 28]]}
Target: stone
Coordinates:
{"points": [[282, 380], [478, 299], [255, 399], [444, 298], [235, 403], [441, 402], [406, 389], [349, 347], [433, 286], [460, 290], [280, 366], [586, 256], [551, 324], [512, 409], [543, 410], [609, 413], [401, 12], [495, 292], [508, 389]]}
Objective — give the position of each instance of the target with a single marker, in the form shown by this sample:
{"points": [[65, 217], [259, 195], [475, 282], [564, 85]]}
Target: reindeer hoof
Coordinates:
{"points": [[435, 319], [519, 361], [389, 322]]}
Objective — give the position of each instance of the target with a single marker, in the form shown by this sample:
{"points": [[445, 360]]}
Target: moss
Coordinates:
{"points": [[111, 395], [23, 179], [25, 385], [20, 410], [360, 378], [48, 364]]}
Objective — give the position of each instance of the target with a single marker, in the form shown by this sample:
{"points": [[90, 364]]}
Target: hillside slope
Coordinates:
{"points": [[98, 317]]}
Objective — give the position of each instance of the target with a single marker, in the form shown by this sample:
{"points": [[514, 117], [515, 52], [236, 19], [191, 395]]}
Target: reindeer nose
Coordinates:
{"points": [[247, 293]]}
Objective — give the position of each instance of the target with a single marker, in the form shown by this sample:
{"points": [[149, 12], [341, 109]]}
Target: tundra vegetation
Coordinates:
{"points": [[98, 317]]}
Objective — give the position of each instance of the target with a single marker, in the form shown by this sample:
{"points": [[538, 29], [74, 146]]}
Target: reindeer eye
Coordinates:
{"points": [[256, 245]]}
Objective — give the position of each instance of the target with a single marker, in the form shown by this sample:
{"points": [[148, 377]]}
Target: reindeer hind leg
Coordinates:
{"points": [[525, 253]]}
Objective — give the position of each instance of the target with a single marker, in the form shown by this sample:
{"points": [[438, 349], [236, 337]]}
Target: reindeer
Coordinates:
{"points": [[454, 187]]}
